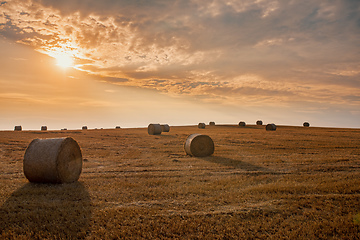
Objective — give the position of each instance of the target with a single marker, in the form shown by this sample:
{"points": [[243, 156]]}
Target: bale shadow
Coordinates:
{"points": [[46, 211], [236, 164]]}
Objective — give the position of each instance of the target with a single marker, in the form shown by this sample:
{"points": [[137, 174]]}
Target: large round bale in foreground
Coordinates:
{"points": [[17, 128], [201, 125], [259, 122], [199, 145], [270, 127], [43, 128], [306, 124], [53, 160], [212, 123], [242, 124], [165, 128], [154, 129]]}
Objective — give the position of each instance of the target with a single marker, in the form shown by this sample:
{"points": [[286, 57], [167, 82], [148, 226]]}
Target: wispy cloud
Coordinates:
{"points": [[229, 51]]}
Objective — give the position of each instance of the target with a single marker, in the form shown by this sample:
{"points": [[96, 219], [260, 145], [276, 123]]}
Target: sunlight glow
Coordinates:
{"points": [[64, 61]]}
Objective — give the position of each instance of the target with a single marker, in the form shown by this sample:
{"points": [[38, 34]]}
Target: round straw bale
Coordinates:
{"points": [[17, 128], [199, 145], [43, 128], [201, 125], [84, 128], [212, 123], [117, 127], [306, 124], [270, 127], [154, 129], [53, 160], [259, 122], [242, 124], [165, 128]]}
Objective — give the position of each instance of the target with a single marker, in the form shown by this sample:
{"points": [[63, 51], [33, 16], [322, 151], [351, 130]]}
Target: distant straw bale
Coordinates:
{"points": [[270, 127], [212, 123], [259, 122], [242, 124], [199, 145], [54, 160], [306, 124], [201, 125], [17, 128], [165, 128], [84, 128], [43, 128], [154, 129]]}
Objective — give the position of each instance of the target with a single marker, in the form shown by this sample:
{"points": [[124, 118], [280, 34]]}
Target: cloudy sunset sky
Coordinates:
{"points": [[104, 63]]}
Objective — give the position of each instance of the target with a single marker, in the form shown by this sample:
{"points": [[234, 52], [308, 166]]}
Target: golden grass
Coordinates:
{"points": [[293, 183]]}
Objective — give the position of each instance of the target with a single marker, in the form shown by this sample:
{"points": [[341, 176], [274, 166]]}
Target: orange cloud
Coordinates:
{"points": [[298, 50]]}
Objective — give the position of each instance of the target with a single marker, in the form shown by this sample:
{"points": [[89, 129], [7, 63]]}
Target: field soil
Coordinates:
{"points": [[292, 183]]}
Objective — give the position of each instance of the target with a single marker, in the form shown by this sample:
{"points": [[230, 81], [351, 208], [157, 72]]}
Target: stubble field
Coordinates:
{"points": [[292, 183]]}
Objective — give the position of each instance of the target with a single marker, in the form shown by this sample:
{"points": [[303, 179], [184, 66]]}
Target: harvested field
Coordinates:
{"points": [[292, 183]]}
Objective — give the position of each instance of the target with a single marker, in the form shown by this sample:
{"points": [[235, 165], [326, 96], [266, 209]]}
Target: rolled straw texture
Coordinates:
{"points": [[54, 160], [306, 124], [199, 145], [270, 127], [165, 128], [154, 129]]}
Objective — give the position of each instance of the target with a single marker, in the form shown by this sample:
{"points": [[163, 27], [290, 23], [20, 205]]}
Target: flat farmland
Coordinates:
{"points": [[292, 183]]}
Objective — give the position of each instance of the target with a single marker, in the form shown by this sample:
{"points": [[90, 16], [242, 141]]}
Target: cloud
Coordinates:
{"points": [[296, 48]]}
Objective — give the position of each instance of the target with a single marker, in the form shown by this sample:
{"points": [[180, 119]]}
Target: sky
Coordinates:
{"points": [[128, 63]]}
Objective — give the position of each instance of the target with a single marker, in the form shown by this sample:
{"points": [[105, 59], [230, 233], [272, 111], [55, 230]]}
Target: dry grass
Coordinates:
{"points": [[293, 183]]}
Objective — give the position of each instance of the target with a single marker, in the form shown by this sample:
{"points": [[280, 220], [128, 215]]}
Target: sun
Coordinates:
{"points": [[64, 61]]}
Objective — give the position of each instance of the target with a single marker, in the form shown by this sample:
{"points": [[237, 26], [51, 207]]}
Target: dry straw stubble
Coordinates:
{"points": [[256, 185]]}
